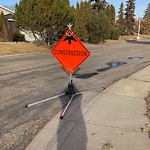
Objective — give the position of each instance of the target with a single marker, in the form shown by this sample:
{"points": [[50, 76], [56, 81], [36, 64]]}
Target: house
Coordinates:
{"points": [[6, 11], [11, 23], [9, 17]]}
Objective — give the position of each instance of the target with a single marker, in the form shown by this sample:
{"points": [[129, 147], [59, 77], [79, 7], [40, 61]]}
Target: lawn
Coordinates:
{"points": [[10, 48]]}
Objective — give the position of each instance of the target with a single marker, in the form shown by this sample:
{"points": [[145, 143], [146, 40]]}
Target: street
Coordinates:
{"points": [[32, 77]]}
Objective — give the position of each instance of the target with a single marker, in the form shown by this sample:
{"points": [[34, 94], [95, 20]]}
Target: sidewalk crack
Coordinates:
{"points": [[114, 127]]}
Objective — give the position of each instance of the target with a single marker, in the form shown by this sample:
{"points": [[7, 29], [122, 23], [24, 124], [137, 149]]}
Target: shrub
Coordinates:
{"points": [[99, 28], [1, 23], [18, 37], [2, 19], [114, 34]]}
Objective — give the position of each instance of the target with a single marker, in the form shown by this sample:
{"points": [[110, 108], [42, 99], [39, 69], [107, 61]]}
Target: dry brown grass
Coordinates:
{"points": [[110, 42], [10, 48], [134, 37]]}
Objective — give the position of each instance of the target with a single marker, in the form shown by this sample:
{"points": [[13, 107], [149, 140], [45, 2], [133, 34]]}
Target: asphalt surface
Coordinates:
{"points": [[28, 78], [113, 120]]}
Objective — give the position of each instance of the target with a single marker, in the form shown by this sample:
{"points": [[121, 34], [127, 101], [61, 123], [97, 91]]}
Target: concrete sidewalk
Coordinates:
{"points": [[110, 120]]}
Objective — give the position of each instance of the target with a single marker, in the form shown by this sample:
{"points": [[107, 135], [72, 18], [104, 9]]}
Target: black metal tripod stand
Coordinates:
{"points": [[70, 92]]}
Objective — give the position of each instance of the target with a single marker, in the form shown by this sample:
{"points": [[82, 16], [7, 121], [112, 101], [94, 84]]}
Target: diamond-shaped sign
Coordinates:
{"points": [[70, 52]]}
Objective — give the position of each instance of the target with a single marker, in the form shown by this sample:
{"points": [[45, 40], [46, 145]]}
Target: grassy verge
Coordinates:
{"points": [[11, 48]]}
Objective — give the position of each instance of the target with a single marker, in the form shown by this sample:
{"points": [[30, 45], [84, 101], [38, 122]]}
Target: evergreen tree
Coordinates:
{"points": [[147, 12], [105, 25], [1, 21], [61, 16], [5, 32], [108, 11], [111, 14], [99, 4], [33, 16], [99, 28], [81, 20], [146, 20], [114, 32], [121, 20], [129, 17], [44, 17]]}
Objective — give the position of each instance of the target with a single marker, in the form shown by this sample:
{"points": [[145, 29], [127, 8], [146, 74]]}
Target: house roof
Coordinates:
{"points": [[12, 12]]}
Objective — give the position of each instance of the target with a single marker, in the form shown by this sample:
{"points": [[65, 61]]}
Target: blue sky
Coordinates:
{"points": [[8, 2], [141, 5]]}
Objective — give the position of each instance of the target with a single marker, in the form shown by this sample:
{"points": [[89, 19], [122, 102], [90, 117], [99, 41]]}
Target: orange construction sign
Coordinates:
{"points": [[70, 52]]}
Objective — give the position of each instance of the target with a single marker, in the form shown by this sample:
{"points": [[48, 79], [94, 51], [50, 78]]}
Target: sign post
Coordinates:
{"points": [[70, 52]]}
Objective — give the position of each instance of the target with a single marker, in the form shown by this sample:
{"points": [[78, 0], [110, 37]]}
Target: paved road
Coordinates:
{"points": [[32, 77]]}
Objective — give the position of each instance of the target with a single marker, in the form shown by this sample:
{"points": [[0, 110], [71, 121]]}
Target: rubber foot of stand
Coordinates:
{"points": [[26, 106], [61, 117], [70, 93]]}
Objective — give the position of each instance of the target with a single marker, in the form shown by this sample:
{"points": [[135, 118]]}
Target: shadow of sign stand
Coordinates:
{"points": [[70, 52]]}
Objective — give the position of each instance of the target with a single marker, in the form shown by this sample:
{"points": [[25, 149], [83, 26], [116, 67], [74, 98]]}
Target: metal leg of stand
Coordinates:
{"points": [[44, 100], [78, 93], [66, 108], [91, 90]]}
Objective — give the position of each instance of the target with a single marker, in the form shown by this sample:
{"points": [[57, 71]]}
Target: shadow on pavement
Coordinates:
{"points": [[71, 135], [85, 76], [138, 42]]}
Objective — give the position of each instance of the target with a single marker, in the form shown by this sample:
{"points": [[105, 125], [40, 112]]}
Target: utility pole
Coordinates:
{"points": [[139, 28]]}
